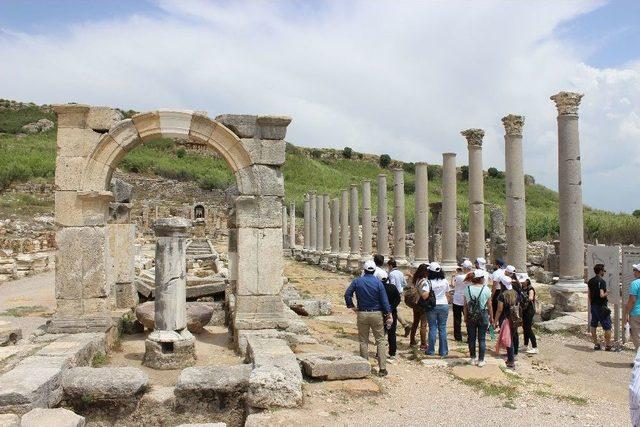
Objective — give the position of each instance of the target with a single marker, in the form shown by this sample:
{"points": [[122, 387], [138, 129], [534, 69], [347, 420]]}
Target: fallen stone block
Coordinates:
{"points": [[79, 349], [272, 386], [334, 366], [58, 417], [563, 323], [9, 420], [208, 380], [103, 384], [204, 425], [310, 307], [291, 338], [198, 315], [273, 352]]}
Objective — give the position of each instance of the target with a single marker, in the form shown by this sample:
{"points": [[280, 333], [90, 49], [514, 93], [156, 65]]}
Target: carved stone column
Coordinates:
{"points": [[421, 238], [383, 226], [292, 225], [335, 227], [307, 225], [516, 224], [319, 223], [476, 193], [399, 228], [344, 222], [326, 227], [569, 293], [313, 228], [354, 226], [285, 227], [449, 211], [366, 219]]}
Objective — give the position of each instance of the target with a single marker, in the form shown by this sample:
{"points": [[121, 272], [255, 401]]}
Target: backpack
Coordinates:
{"points": [[515, 316], [474, 309], [525, 302], [411, 296], [430, 302]]}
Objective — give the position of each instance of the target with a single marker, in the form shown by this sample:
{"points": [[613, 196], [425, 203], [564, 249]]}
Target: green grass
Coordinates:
{"points": [[11, 121], [33, 156], [502, 391], [24, 311], [576, 400]]}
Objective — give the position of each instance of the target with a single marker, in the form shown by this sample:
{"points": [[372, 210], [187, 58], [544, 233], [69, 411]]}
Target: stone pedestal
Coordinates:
{"points": [[383, 226], [449, 211], [421, 238], [399, 228], [476, 193], [366, 220], [569, 293], [170, 345]]}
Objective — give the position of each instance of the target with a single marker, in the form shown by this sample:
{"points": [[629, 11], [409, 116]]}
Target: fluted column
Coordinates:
{"points": [[307, 224], [476, 193], [319, 223], [569, 290], [383, 226], [421, 238], [354, 221], [344, 222], [449, 211], [313, 228], [327, 223], [335, 226], [292, 225], [399, 228], [516, 224], [366, 219]]}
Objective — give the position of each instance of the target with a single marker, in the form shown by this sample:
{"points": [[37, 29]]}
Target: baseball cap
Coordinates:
{"points": [[466, 264], [481, 262], [510, 269], [369, 265], [636, 267], [434, 266], [506, 281], [478, 273]]}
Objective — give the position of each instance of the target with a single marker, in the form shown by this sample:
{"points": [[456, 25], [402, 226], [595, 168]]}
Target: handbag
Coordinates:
{"points": [[430, 302], [606, 311]]}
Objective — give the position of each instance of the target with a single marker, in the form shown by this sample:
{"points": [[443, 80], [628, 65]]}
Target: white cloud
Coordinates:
{"points": [[384, 77]]}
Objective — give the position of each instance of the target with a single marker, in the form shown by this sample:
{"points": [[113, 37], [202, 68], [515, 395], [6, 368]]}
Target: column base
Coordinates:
{"points": [[449, 266], [416, 262], [343, 261], [354, 262], [569, 294], [169, 350]]}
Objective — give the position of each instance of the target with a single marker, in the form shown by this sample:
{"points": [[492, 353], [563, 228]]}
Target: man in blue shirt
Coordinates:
{"points": [[373, 311]]}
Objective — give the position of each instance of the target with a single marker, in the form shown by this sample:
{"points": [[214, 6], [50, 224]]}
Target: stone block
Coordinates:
{"points": [[9, 420], [271, 386], [9, 334], [103, 118], [103, 384], [122, 190], [334, 366], [125, 134], [69, 172], [77, 349], [175, 124], [126, 295], [310, 307], [206, 381], [243, 125], [260, 264], [71, 115], [265, 152], [201, 127], [58, 417], [273, 127], [148, 125], [169, 350], [272, 352], [120, 213], [260, 180], [198, 315], [259, 211], [564, 323], [292, 339], [76, 142], [121, 239]]}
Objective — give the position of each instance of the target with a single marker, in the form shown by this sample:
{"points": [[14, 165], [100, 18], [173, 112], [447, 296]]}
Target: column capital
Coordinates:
{"points": [[567, 103], [448, 154], [474, 136], [172, 227], [513, 124]]}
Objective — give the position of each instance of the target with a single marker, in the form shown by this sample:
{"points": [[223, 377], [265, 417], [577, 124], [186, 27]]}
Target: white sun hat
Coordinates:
{"points": [[369, 266], [434, 266]]}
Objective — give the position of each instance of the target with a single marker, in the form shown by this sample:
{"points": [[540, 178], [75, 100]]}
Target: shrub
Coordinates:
{"points": [[347, 152], [495, 173], [464, 173], [409, 187], [409, 167], [434, 171], [212, 182], [181, 152], [385, 161], [316, 154], [636, 213]]}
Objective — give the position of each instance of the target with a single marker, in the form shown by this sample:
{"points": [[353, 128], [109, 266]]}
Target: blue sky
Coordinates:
{"points": [[396, 77]]}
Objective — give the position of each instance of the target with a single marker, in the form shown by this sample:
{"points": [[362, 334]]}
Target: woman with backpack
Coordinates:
{"points": [[478, 315], [411, 297], [508, 315], [528, 306], [435, 299]]}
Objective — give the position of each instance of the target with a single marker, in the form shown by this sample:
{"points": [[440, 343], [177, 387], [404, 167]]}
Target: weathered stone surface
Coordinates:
{"points": [[204, 425], [58, 417], [122, 190], [169, 349], [265, 152], [260, 180], [310, 307], [9, 334], [204, 380], [103, 118], [198, 315], [334, 366], [563, 323], [243, 125], [103, 384], [9, 420], [273, 127], [257, 274], [78, 349], [273, 352], [259, 211], [120, 253], [273, 386], [292, 339]]}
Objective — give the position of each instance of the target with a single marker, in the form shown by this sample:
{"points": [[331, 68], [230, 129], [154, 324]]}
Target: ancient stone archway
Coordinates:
{"points": [[254, 149]]}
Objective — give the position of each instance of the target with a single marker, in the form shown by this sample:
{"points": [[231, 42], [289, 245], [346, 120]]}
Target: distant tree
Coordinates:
{"points": [[636, 213], [409, 167], [495, 173], [385, 161], [316, 154], [347, 152], [464, 173], [409, 187], [434, 171]]}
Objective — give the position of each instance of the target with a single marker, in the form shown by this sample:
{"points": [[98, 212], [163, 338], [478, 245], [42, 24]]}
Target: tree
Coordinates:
{"points": [[316, 154], [636, 213], [409, 167], [347, 152], [464, 173], [495, 173], [385, 161]]}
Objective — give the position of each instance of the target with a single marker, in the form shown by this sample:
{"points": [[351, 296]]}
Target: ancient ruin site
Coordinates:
{"points": [[311, 258]]}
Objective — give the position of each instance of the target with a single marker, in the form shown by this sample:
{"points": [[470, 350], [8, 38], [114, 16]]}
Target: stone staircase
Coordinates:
{"points": [[199, 247]]}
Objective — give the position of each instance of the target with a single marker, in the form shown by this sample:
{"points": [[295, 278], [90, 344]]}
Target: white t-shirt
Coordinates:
{"points": [[460, 289], [380, 273], [495, 278], [397, 279], [440, 289]]}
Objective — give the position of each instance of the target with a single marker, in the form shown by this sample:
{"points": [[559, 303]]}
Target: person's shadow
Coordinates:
{"points": [[617, 365], [577, 347]]}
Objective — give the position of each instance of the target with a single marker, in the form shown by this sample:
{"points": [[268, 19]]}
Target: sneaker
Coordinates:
{"points": [[407, 331], [482, 363], [391, 359], [597, 347], [382, 373], [473, 361], [424, 347], [532, 350]]}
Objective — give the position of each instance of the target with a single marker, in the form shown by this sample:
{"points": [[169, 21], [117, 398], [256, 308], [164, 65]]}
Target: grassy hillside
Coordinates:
{"points": [[33, 157]]}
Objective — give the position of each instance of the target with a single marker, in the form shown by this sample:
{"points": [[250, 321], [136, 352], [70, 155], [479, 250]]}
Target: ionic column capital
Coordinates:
{"points": [[473, 136], [567, 103], [513, 124]]}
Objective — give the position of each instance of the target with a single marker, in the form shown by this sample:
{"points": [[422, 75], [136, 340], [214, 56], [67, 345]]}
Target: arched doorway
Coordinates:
{"points": [[85, 163]]}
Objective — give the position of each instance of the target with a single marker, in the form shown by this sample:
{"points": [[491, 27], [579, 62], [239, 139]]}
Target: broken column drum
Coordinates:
{"points": [[170, 345], [383, 226], [449, 211], [476, 193]]}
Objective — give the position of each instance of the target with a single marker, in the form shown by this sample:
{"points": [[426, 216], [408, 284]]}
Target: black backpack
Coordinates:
{"points": [[430, 302], [474, 311]]}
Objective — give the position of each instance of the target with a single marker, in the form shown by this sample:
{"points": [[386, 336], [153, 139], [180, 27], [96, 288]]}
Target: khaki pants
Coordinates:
{"points": [[634, 323], [372, 320]]}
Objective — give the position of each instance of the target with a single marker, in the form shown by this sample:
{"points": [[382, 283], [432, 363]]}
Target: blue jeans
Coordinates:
{"points": [[437, 318], [478, 331]]}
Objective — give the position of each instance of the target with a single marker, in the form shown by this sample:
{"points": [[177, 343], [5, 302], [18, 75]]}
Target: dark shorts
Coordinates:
{"points": [[598, 317]]}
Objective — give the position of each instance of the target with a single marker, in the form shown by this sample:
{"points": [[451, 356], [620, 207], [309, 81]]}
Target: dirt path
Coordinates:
{"points": [[566, 384], [28, 302]]}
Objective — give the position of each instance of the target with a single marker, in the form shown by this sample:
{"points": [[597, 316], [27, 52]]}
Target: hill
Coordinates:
{"points": [[32, 157]]}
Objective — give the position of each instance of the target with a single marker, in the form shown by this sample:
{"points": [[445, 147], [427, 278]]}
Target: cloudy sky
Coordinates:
{"points": [[396, 77]]}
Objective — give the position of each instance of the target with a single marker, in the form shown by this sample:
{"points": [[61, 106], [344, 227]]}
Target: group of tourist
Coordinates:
{"points": [[501, 301]]}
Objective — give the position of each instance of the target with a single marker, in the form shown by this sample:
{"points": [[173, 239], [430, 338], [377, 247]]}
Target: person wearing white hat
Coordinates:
{"points": [[460, 286], [437, 316], [528, 305], [373, 311], [478, 315], [632, 309]]}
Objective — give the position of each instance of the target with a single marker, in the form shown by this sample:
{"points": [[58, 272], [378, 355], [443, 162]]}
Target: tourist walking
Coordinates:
{"points": [[411, 295], [394, 300], [380, 272], [373, 312], [528, 307], [495, 283], [600, 312], [437, 316], [632, 309], [460, 287], [478, 315], [509, 281], [396, 278], [508, 320]]}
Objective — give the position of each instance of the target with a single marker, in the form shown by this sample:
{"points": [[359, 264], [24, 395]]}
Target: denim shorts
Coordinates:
{"points": [[598, 317]]}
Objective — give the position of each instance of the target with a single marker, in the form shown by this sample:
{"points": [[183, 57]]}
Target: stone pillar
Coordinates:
{"points": [[516, 224], [569, 293], [312, 224], [326, 228], [449, 211], [366, 219], [354, 223], [319, 223], [292, 225], [307, 223], [335, 226], [421, 238], [285, 226], [383, 226], [170, 345], [476, 193], [344, 222], [399, 229]]}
